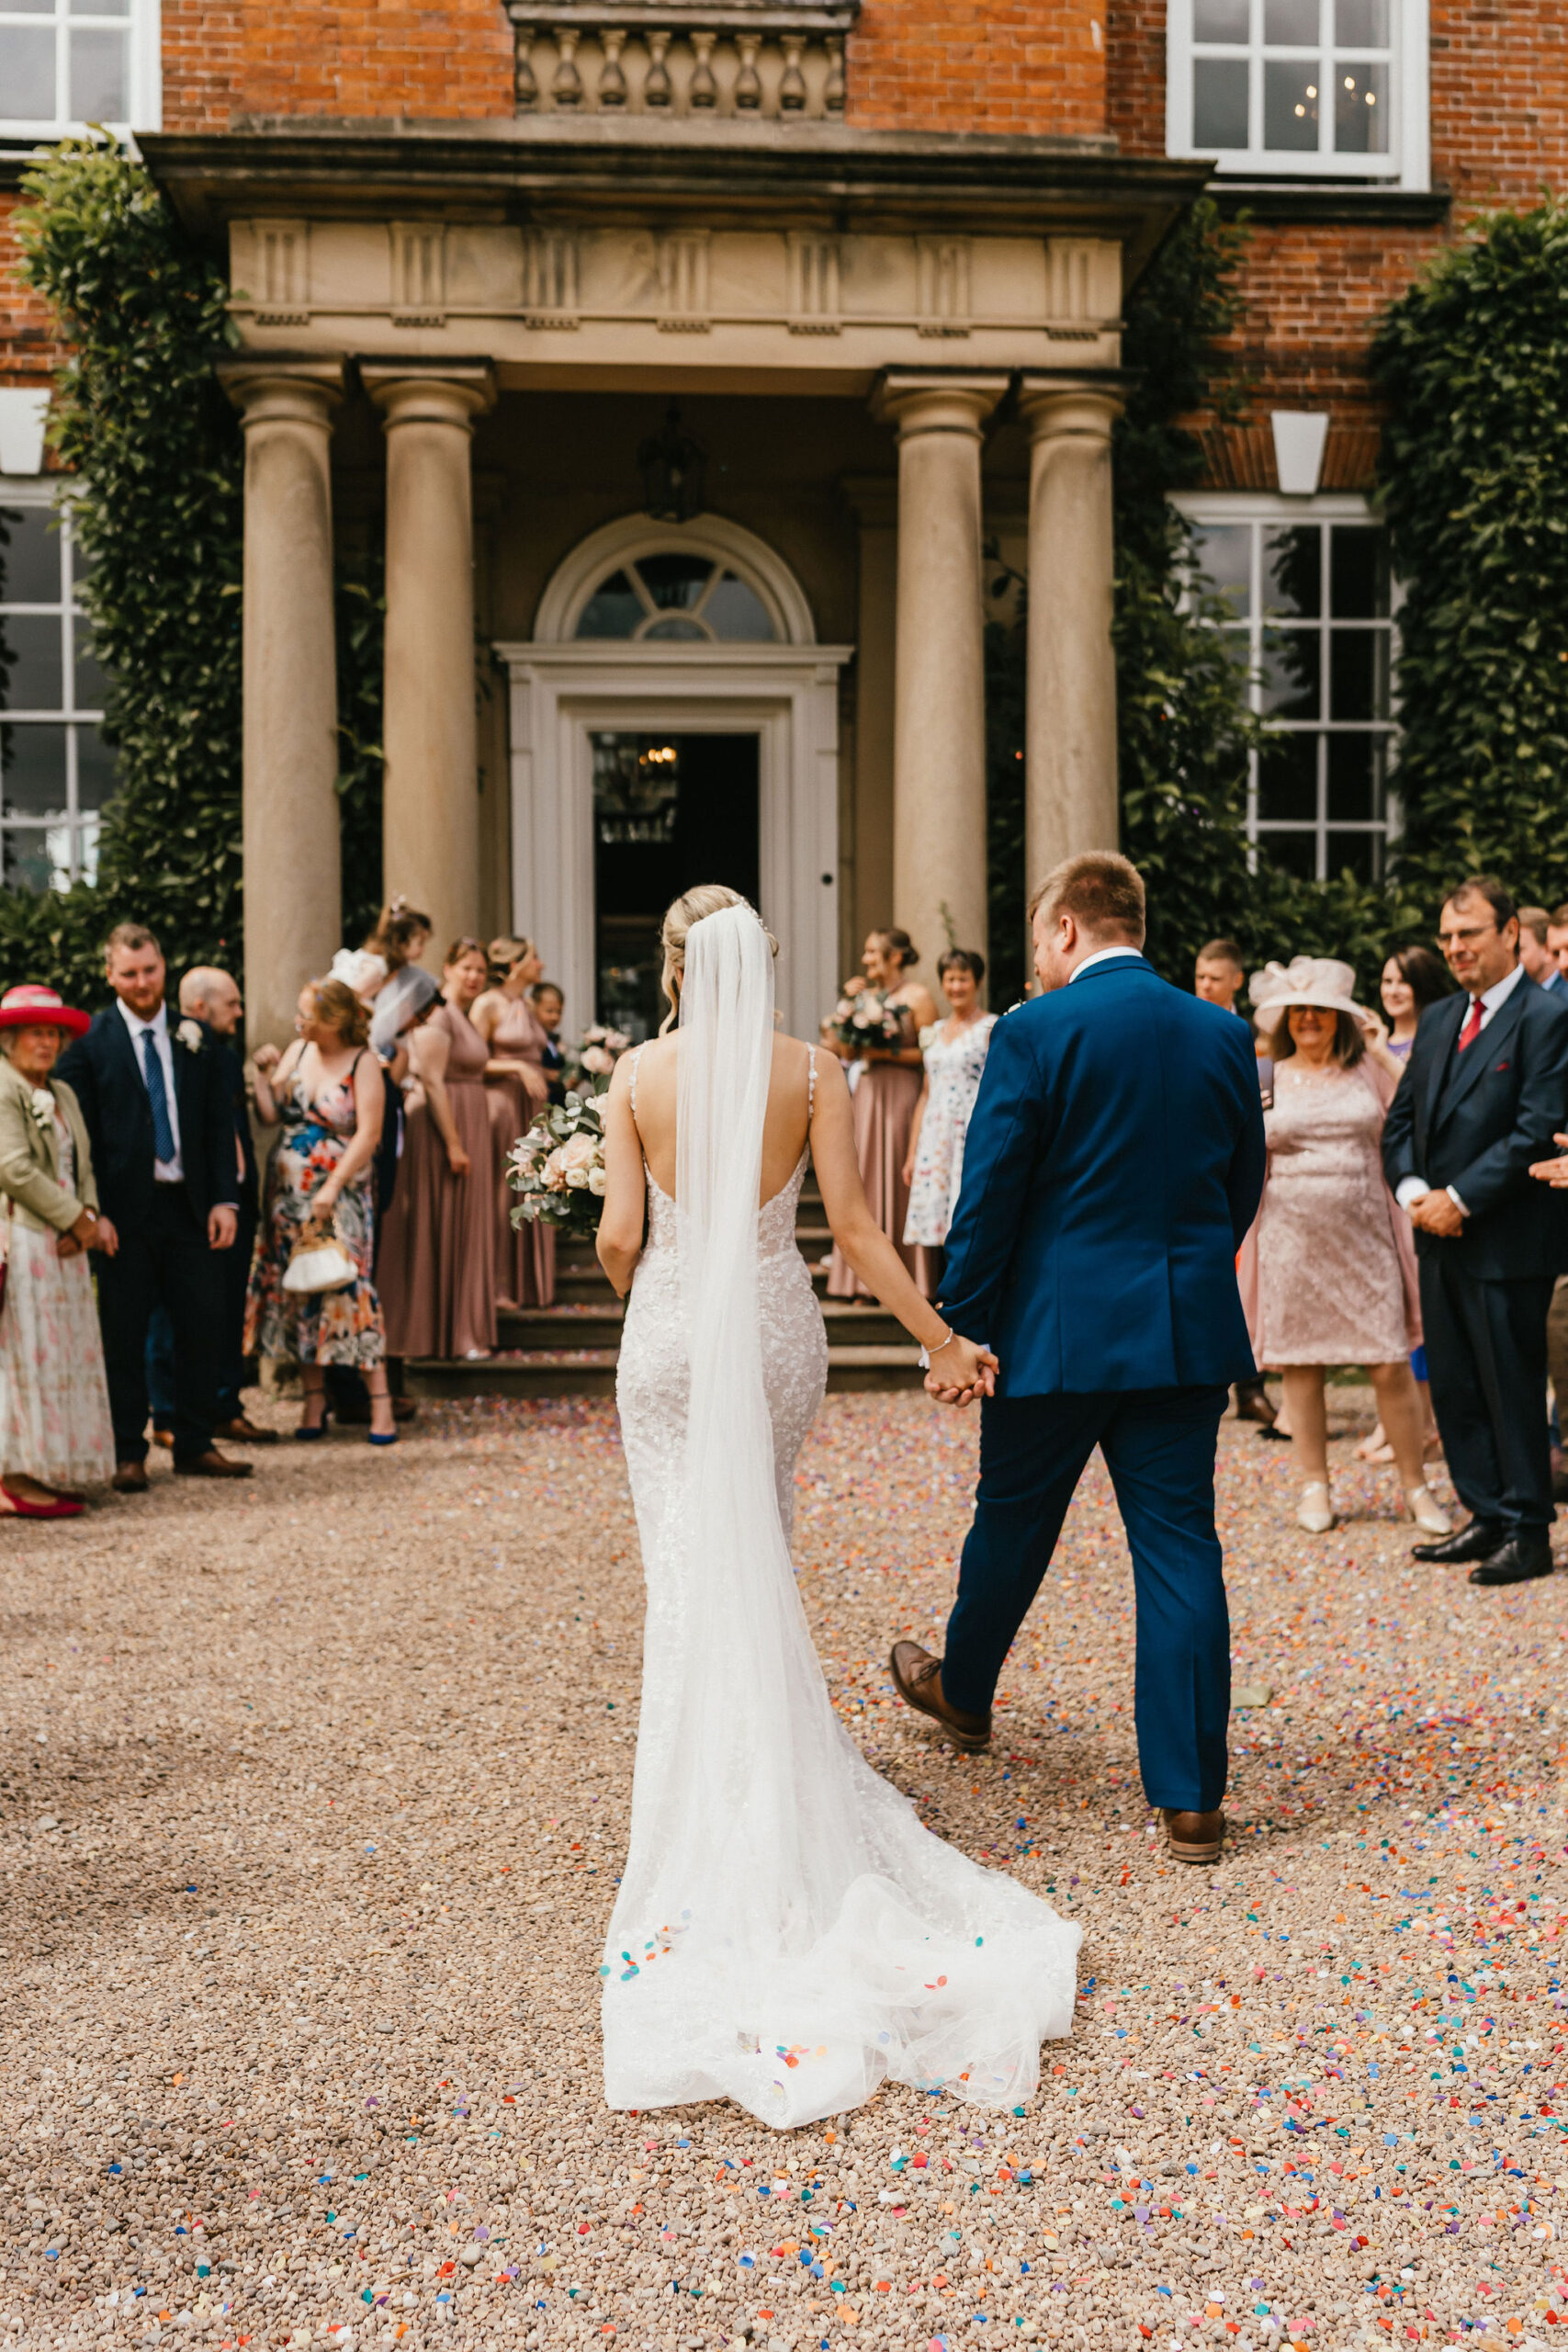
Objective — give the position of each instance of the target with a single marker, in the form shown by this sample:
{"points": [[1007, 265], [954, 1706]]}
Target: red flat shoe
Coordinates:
{"points": [[59, 1509]]}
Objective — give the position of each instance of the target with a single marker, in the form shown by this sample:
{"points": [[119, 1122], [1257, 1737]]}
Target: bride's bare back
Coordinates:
{"points": [[784, 1129]]}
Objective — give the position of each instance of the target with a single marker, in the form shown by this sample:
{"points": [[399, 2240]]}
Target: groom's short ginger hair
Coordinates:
{"points": [[1102, 891]]}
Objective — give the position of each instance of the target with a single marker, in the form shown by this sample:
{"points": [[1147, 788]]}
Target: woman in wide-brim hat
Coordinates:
{"points": [[1334, 1270], [55, 1432]]}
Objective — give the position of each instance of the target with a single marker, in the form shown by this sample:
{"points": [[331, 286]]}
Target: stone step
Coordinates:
{"points": [[596, 1323], [591, 1372]]}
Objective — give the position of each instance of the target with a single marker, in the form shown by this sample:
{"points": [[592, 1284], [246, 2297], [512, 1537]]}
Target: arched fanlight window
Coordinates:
{"points": [[678, 598]]}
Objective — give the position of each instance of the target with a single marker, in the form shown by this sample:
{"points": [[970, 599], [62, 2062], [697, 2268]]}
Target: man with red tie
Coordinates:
{"points": [[1483, 1092]]}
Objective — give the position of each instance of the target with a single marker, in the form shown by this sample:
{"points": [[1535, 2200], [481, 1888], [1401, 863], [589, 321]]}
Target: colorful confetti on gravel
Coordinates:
{"points": [[313, 1798]]}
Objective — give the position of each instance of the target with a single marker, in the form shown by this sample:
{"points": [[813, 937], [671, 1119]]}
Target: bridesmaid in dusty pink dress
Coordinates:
{"points": [[518, 1086], [436, 1272], [884, 1106], [1335, 1270]]}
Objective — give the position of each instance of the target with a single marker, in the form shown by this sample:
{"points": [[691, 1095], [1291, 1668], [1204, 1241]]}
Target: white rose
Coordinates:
{"points": [[596, 1182], [578, 1179], [189, 1036]]}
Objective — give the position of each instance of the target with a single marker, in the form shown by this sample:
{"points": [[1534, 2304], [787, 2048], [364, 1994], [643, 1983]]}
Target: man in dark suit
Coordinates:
{"points": [[1114, 1160], [162, 1130], [1483, 1092], [211, 995]]}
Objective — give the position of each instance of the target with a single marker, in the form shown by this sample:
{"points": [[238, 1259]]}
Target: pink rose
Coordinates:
{"points": [[598, 1061]]}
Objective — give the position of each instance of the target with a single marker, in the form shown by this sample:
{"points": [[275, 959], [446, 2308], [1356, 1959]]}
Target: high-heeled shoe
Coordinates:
{"points": [[1316, 1512], [378, 1437], [1427, 1511], [304, 1435]]}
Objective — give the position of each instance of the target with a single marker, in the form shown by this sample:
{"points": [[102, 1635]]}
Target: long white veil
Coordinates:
{"points": [[786, 1932]]}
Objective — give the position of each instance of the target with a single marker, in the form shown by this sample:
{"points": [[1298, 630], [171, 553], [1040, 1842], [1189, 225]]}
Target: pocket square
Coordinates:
{"points": [[1500, 1066]]}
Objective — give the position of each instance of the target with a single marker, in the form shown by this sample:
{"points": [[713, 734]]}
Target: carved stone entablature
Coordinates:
{"points": [[757, 61]]}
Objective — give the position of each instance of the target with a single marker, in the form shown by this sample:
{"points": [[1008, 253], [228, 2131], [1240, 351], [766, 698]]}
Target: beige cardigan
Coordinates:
{"points": [[29, 1157]]}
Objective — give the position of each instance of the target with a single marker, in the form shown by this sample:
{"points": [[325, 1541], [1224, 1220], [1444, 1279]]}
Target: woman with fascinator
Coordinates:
{"points": [[1335, 1271], [786, 1933]]}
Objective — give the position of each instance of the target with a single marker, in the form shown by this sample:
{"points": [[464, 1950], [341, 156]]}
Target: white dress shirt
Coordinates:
{"points": [[1100, 956], [1493, 1000], [166, 1172]]}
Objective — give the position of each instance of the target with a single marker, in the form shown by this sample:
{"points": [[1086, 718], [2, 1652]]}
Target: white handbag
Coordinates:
{"points": [[319, 1262]]}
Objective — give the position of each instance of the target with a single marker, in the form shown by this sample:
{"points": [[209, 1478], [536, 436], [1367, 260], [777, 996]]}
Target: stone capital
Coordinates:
{"points": [[281, 390], [1071, 407], [450, 392], [918, 403]]}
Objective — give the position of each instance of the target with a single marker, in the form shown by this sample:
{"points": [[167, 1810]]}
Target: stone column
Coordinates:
{"points": [[938, 726], [1070, 728], [293, 896], [430, 808]]}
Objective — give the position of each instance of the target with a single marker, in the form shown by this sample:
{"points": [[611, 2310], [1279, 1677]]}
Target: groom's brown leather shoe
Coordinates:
{"points": [[1194, 1836], [918, 1678], [211, 1465]]}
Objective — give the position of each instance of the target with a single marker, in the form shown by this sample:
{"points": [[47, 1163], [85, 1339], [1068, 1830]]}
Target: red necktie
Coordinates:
{"points": [[1472, 1029]]}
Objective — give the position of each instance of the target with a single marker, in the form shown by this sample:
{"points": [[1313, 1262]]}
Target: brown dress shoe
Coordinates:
{"points": [[165, 1437], [241, 1431], [404, 1409], [129, 1478], [1194, 1836], [211, 1465], [918, 1679]]}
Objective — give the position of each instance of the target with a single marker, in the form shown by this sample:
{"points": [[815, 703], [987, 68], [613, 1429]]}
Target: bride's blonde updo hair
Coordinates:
{"points": [[708, 898]]}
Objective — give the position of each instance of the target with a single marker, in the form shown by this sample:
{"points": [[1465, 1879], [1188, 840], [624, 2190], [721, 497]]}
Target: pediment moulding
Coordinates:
{"points": [[739, 65]]}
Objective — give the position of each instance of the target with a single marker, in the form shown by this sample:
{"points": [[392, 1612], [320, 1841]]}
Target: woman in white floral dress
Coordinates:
{"points": [[55, 1433], [955, 1053]]}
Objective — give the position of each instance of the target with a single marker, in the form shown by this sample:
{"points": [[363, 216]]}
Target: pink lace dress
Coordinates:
{"points": [[1333, 1283]]}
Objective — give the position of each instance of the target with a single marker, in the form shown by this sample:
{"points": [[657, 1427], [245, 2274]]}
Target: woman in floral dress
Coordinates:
{"points": [[326, 1093], [955, 1053]]}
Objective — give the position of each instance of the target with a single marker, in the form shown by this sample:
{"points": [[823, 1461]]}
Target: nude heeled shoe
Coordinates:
{"points": [[1315, 1512], [1427, 1511]]}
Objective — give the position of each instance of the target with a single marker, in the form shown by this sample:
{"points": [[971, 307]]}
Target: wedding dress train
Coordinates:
{"points": [[786, 1933]]}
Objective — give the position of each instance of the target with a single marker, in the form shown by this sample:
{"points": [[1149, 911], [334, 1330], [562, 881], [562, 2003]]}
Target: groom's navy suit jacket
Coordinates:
{"points": [[1114, 1161]]}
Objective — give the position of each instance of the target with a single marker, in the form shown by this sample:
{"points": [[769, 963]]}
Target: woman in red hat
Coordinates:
{"points": [[55, 1432]]}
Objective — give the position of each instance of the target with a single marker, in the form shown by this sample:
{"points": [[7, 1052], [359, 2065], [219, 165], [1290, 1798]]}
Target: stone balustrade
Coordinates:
{"points": [[774, 64]]}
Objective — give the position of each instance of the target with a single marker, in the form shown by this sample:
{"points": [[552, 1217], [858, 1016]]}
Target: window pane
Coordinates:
{"points": [[613, 610], [1289, 105], [1360, 108], [1290, 24], [99, 7], [1292, 673], [1356, 770], [1358, 852], [30, 675], [736, 613], [1357, 674], [26, 72], [29, 552], [99, 90], [1358, 566], [29, 861], [98, 769], [1287, 779], [1223, 552], [91, 688], [1295, 853], [32, 771], [1362, 23], [1219, 103], [1293, 570], [1221, 19], [29, 8], [675, 581], [87, 833], [677, 630]]}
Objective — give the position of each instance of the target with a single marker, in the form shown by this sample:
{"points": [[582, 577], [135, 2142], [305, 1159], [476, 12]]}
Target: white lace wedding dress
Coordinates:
{"points": [[786, 1933]]}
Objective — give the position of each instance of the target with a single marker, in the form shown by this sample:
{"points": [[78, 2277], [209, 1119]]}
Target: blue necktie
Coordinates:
{"points": [[157, 1095]]}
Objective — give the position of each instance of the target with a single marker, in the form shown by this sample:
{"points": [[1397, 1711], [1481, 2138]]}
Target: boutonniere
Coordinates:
{"points": [[188, 1035], [41, 1104]]}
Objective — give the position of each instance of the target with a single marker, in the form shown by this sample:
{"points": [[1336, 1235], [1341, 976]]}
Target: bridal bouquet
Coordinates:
{"points": [[596, 1058], [868, 1020], [557, 1168]]}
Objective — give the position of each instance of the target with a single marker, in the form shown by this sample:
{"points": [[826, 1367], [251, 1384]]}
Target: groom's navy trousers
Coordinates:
{"points": [[1113, 1162], [1158, 1445]]}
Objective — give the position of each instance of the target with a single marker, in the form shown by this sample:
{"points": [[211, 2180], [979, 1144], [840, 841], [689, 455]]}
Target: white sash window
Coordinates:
{"points": [[1293, 88]]}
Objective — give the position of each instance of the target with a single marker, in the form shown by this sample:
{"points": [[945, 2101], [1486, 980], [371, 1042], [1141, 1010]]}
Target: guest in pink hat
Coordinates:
{"points": [[55, 1431]]}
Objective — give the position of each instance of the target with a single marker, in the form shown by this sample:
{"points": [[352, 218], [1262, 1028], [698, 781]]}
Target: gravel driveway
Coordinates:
{"points": [[314, 1792]]}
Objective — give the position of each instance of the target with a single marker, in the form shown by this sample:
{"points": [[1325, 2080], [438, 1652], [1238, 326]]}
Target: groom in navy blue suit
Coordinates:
{"points": [[1114, 1160]]}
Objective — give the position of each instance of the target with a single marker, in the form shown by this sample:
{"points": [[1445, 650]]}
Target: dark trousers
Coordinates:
{"points": [[164, 1261], [234, 1283], [1486, 1361], [1158, 1445]]}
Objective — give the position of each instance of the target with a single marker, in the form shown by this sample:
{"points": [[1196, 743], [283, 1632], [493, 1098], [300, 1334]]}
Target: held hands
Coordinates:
{"points": [[960, 1371], [1436, 1212], [1552, 1171]]}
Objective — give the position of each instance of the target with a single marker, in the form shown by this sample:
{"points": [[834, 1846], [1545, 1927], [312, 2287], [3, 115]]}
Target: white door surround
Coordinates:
{"points": [[563, 692]]}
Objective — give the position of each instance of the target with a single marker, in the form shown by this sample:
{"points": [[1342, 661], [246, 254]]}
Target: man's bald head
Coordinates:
{"points": [[208, 994]]}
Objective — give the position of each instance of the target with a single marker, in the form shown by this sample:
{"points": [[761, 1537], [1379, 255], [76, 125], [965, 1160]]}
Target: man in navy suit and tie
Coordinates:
{"points": [[161, 1125], [1483, 1094], [1114, 1161]]}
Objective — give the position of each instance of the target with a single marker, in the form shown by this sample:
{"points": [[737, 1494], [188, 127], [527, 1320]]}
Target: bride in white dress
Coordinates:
{"points": [[786, 1933]]}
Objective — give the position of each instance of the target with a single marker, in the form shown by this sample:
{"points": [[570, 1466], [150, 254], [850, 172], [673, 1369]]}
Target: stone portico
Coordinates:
{"points": [[893, 350]]}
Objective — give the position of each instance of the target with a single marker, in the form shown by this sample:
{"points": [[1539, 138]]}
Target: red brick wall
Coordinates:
{"points": [[29, 350], [994, 65], [450, 60]]}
